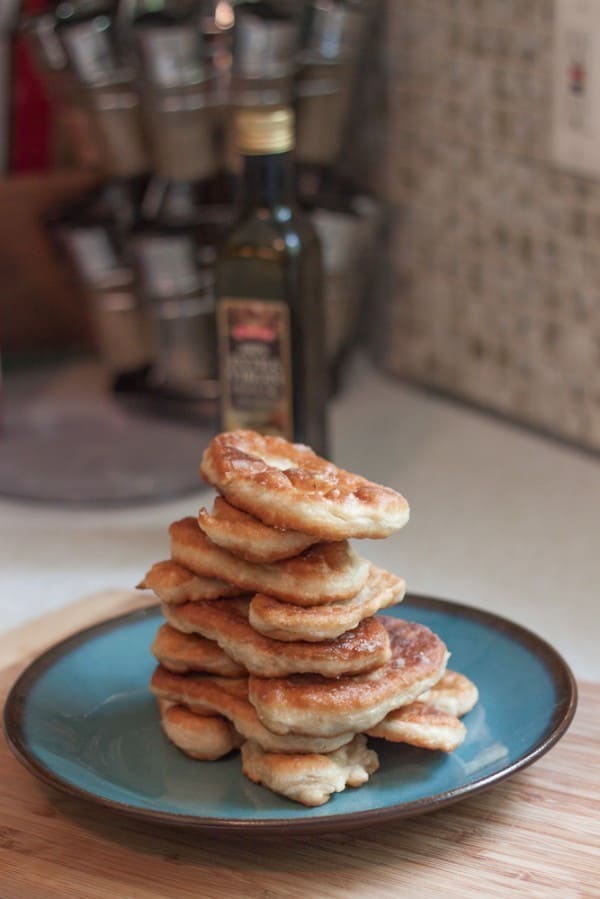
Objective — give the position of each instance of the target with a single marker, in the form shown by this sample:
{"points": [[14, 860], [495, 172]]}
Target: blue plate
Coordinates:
{"points": [[81, 718]]}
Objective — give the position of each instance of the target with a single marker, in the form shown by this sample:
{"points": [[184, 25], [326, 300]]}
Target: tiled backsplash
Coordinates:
{"points": [[495, 251]]}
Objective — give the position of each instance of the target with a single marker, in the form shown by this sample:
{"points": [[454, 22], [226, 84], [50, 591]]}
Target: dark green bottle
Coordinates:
{"points": [[272, 365]]}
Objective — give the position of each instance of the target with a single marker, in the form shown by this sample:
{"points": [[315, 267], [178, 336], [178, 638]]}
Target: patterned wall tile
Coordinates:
{"points": [[495, 252]]}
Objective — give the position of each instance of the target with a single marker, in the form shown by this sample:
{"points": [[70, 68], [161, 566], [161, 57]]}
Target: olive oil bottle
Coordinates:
{"points": [[271, 343]]}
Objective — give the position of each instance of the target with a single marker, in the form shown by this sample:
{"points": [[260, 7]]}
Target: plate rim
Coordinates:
{"points": [[558, 669]]}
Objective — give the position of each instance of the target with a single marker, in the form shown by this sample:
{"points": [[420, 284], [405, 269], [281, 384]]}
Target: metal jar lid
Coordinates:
{"points": [[265, 44], [41, 36], [334, 31], [170, 55], [95, 256], [167, 266], [91, 51]]}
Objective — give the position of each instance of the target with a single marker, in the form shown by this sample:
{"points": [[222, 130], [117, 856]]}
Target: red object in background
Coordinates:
{"points": [[31, 118], [577, 77]]}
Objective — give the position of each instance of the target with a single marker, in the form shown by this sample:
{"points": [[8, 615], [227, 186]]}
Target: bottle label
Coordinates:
{"points": [[255, 366]]}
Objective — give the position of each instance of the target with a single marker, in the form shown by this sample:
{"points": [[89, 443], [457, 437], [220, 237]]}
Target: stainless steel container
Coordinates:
{"points": [[90, 48], [335, 30], [177, 99], [347, 239], [106, 82], [70, 110], [328, 59], [117, 318], [117, 114], [40, 30], [178, 296], [264, 58]]}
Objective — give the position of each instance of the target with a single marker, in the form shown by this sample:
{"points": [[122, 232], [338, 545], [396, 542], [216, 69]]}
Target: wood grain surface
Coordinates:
{"points": [[535, 835], [30, 639]]}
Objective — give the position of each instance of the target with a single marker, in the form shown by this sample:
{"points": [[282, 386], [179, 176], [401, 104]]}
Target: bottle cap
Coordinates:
{"points": [[265, 130]]}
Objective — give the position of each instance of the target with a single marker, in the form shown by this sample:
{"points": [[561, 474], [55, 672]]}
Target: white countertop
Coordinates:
{"points": [[500, 518]]}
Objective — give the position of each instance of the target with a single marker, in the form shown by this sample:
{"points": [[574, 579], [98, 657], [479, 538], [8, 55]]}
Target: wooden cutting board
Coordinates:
{"points": [[537, 834]]}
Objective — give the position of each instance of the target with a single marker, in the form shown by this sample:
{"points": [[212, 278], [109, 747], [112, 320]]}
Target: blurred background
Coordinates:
{"points": [[459, 229], [120, 178]]}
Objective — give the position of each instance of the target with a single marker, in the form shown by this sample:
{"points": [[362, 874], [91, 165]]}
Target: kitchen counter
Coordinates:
{"points": [[533, 835], [501, 518]]}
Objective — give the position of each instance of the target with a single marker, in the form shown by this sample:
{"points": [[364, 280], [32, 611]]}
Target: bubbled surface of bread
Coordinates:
{"points": [[226, 622], [323, 573], [273, 642], [204, 693], [422, 725], [286, 485], [183, 652], [454, 693], [309, 704], [310, 778], [245, 536], [174, 583], [286, 621], [203, 737]]}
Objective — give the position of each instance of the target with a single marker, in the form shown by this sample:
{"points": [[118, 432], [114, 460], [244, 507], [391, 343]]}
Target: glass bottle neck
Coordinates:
{"points": [[268, 181]]}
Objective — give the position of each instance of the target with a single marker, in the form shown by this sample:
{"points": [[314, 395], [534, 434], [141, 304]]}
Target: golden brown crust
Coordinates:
{"points": [[419, 724], [247, 537], [226, 622], [323, 573], [286, 485], [454, 693], [182, 652], [174, 583], [309, 704], [286, 621], [203, 737], [204, 694], [310, 778]]}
